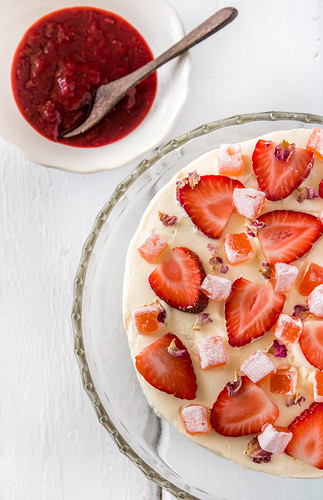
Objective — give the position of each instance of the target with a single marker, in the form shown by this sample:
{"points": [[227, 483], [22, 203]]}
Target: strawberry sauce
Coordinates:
{"points": [[60, 62]]}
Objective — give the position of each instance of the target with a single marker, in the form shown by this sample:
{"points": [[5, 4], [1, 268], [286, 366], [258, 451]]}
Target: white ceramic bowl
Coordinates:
{"points": [[159, 25]]}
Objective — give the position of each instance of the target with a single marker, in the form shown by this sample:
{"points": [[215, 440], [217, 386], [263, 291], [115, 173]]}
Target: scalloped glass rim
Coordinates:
{"points": [[159, 154]]}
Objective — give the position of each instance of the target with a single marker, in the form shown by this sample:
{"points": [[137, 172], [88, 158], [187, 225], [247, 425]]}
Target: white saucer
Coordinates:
{"points": [[160, 26]]}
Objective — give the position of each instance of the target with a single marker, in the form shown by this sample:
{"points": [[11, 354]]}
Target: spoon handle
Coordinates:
{"points": [[214, 23]]}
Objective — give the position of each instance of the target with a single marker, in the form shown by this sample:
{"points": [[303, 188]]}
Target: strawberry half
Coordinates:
{"points": [[177, 281], [311, 343], [244, 413], [251, 311], [280, 168], [170, 373], [287, 235], [209, 202], [307, 441], [321, 189]]}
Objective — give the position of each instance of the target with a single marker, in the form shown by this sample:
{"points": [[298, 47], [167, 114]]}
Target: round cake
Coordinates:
{"points": [[223, 302]]}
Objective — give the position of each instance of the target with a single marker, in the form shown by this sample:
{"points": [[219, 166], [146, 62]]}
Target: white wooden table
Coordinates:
{"points": [[51, 444]]}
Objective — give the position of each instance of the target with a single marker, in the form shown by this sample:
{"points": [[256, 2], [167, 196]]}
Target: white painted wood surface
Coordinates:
{"points": [[51, 445]]}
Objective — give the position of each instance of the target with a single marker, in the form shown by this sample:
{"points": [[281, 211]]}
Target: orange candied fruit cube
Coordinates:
{"points": [[288, 328], [146, 319], [230, 160], [196, 419], [152, 247], [318, 386], [312, 277], [283, 381], [315, 143], [237, 248]]}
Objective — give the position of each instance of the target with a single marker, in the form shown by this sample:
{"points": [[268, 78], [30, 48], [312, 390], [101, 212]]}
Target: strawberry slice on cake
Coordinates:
{"points": [[167, 366], [251, 311], [280, 168], [287, 235], [208, 202], [311, 343], [177, 281], [244, 413]]}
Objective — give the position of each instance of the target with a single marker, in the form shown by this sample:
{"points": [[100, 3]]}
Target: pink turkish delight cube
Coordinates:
{"points": [[288, 328], [249, 202], [283, 277], [152, 247], [315, 301], [274, 438], [196, 419], [257, 366], [216, 287], [212, 353]]}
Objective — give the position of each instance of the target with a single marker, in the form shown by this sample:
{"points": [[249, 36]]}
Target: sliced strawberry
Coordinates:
{"points": [[287, 235], [209, 202], [280, 168], [177, 281], [307, 441], [311, 342], [170, 373], [321, 189], [251, 311], [244, 413]]}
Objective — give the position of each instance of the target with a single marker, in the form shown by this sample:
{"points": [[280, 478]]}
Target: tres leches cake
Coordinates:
{"points": [[223, 302]]}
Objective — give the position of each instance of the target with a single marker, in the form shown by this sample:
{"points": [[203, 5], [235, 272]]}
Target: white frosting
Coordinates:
{"points": [[137, 293]]}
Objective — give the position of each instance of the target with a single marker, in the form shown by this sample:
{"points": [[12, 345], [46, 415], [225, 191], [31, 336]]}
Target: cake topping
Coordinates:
{"points": [[256, 453], [216, 287], [215, 261], [209, 204], [315, 301], [283, 277], [315, 143], [196, 419], [280, 168], [177, 281], [318, 386], [249, 202], [152, 247], [311, 342], [167, 220], [212, 353], [306, 193], [244, 414], [266, 270], [277, 349], [307, 441], [284, 381], [146, 318], [321, 189], [288, 235], [274, 438], [296, 399], [168, 373], [251, 311], [234, 386], [237, 248], [230, 160], [312, 277], [191, 180], [201, 320], [257, 366], [301, 311], [174, 350], [253, 227], [288, 328]]}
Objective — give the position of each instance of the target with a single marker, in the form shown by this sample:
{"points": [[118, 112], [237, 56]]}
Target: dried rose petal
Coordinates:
{"points": [[174, 350], [161, 316], [167, 220], [253, 227], [201, 320], [301, 311], [284, 151], [296, 399], [306, 193], [234, 387], [265, 270], [192, 179], [216, 262], [277, 349], [256, 453]]}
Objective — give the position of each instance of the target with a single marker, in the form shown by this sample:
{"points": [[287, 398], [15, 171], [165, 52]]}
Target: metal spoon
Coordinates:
{"points": [[108, 95]]}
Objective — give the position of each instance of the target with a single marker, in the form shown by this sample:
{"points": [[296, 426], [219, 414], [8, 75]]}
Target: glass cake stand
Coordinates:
{"points": [[101, 347]]}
